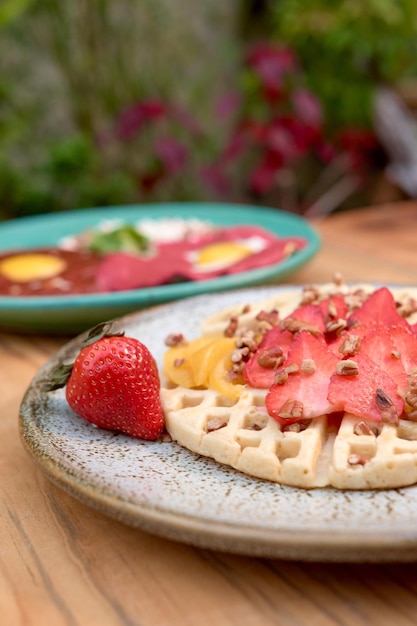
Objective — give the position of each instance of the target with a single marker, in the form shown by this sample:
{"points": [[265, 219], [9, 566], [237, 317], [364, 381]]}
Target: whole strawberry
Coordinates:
{"points": [[114, 384]]}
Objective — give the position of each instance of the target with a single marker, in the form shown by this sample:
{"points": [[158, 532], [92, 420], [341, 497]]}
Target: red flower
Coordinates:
{"points": [[172, 153], [291, 137], [215, 179], [360, 144], [307, 107], [133, 118], [263, 177], [271, 64]]}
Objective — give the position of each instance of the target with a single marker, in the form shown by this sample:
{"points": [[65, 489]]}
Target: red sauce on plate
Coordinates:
{"points": [[77, 277]]}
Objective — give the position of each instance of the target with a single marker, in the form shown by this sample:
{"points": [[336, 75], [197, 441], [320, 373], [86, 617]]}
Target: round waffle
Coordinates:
{"points": [[350, 452]]}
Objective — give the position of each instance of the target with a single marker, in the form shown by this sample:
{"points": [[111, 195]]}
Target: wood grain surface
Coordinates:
{"points": [[62, 563]]}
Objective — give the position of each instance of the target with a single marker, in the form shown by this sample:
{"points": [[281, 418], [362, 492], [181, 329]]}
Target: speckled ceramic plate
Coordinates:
{"points": [[168, 491], [54, 315]]}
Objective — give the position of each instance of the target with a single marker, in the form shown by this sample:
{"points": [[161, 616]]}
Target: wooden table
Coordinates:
{"points": [[62, 563]]}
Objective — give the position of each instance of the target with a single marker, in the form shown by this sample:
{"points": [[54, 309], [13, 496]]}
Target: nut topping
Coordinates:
{"points": [[308, 366], [231, 327], [175, 339], [347, 367], [382, 399], [291, 409], [386, 406], [295, 326], [350, 345], [271, 358], [270, 317], [362, 428], [215, 423]]}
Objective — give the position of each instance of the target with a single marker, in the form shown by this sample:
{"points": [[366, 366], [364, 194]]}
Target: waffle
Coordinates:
{"points": [[349, 453], [312, 454]]}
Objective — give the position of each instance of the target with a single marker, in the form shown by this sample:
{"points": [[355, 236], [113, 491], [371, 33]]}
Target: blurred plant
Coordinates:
{"points": [[346, 48], [280, 152], [71, 74], [107, 102]]}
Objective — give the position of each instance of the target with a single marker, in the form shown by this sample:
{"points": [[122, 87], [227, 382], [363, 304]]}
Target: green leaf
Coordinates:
{"points": [[59, 376], [105, 329], [123, 239]]}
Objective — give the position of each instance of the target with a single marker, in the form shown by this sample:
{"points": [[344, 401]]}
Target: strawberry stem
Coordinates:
{"points": [[58, 377], [104, 329]]}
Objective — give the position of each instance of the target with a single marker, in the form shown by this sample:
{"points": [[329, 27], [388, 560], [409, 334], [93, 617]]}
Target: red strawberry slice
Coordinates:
{"points": [[306, 389], [405, 343], [259, 371], [378, 345], [311, 314], [334, 307], [370, 394], [379, 309]]}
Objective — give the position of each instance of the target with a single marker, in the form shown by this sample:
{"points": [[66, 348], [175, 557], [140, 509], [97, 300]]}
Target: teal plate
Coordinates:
{"points": [[67, 315]]}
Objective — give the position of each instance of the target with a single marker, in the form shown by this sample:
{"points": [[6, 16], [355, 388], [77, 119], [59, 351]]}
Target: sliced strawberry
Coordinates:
{"points": [[378, 346], [405, 343], [380, 309], [308, 387], [371, 393], [261, 376], [334, 307], [311, 314]]}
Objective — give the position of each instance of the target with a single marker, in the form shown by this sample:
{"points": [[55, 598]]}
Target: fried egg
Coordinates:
{"points": [[222, 254], [23, 268]]}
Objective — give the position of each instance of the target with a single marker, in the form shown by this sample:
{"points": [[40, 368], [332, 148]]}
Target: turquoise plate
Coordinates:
{"points": [[64, 315]]}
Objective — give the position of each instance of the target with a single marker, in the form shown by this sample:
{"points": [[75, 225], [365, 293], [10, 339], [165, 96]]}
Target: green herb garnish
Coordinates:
{"points": [[122, 239]]}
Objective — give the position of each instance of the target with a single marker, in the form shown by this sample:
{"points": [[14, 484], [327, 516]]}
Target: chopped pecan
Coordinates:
{"points": [[296, 427], [362, 428], [175, 339], [411, 399], [382, 399], [271, 358], [384, 403], [347, 367], [215, 423], [336, 326], [332, 309], [308, 366], [407, 308], [231, 327], [295, 326], [310, 294], [270, 317], [281, 376], [412, 415], [350, 345], [291, 409]]}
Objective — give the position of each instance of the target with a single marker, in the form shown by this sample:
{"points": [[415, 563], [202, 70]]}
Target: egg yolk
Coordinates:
{"points": [[25, 267], [225, 252]]}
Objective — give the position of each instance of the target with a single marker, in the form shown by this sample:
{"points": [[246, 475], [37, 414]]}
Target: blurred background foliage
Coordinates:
{"points": [[265, 101]]}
